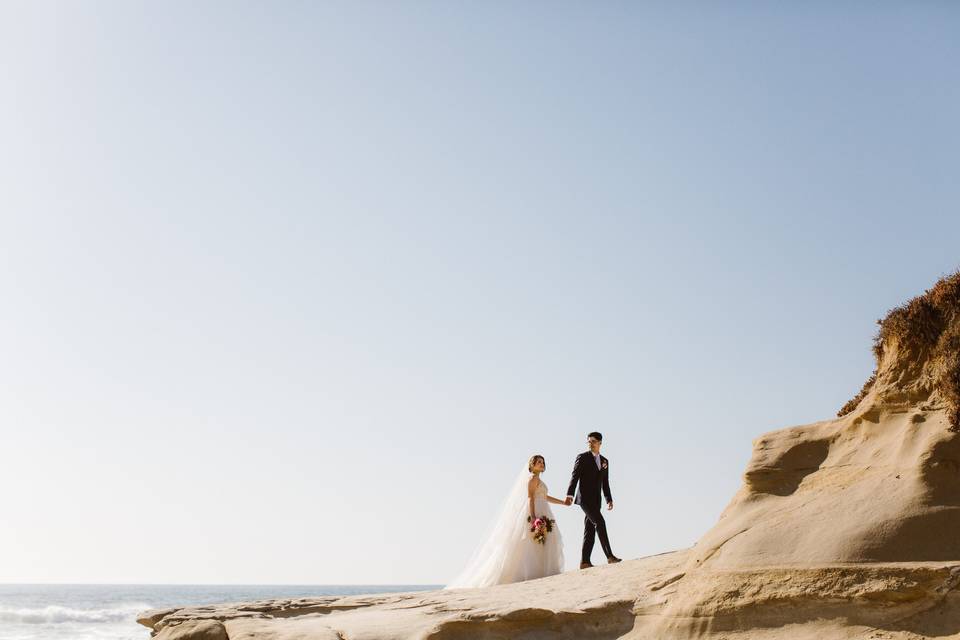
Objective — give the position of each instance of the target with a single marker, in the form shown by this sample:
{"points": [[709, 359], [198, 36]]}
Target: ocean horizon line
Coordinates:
{"points": [[219, 584]]}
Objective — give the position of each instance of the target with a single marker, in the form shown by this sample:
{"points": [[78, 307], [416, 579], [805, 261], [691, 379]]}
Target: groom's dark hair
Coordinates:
{"points": [[596, 435]]}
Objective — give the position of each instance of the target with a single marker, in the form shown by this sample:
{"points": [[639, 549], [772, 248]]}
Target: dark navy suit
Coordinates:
{"points": [[591, 480]]}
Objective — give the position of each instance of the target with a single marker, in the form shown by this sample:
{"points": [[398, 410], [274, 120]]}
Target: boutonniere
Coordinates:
{"points": [[603, 465]]}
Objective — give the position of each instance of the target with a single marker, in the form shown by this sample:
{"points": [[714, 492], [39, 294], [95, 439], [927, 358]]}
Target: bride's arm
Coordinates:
{"points": [[553, 500], [531, 489]]}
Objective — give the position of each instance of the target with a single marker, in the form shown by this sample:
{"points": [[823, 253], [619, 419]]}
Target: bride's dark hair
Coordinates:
{"points": [[533, 461]]}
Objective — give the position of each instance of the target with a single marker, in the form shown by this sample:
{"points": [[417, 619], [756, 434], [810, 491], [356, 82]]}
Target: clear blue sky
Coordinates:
{"points": [[291, 290]]}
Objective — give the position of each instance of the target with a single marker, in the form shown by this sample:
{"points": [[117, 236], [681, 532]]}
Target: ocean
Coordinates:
{"points": [[109, 612]]}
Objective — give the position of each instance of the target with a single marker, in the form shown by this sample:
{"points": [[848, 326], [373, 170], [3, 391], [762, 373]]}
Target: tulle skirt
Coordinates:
{"points": [[534, 560], [510, 554]]}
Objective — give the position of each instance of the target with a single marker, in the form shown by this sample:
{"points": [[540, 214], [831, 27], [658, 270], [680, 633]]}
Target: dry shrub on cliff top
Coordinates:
{"points": [[928, 327], [855, 400]]}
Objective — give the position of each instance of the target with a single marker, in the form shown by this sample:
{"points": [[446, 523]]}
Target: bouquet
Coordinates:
{"points": [[540, 527]]}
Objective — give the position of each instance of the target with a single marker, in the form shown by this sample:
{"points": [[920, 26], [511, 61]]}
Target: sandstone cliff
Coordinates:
{"points": [[846, 528]]}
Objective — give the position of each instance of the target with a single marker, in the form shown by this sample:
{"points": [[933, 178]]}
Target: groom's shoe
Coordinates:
{"points": [[585, 565], [613, 560]]}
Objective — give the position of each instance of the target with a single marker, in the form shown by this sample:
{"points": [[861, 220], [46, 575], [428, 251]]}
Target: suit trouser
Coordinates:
{"points": [[594, 525]]}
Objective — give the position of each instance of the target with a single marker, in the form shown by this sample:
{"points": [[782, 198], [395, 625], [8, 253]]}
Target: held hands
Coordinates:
{"points": [[569, 501]]}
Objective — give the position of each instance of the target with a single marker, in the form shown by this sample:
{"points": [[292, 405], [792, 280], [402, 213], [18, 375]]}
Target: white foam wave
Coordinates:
{"points": [[125, 612]]}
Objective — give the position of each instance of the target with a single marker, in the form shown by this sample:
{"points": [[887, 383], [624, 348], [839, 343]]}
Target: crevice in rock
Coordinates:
{"points": [[603, 623]]}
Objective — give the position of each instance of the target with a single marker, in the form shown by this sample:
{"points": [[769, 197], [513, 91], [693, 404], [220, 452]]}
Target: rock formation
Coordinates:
{"points": [[846, 528]]}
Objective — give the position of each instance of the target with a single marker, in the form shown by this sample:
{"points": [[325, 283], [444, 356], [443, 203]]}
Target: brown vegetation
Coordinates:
{"points": [[927, 328], [855, 400]]}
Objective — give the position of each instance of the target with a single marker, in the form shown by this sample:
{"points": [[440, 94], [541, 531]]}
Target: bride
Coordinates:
{"points": [[510, 553]]}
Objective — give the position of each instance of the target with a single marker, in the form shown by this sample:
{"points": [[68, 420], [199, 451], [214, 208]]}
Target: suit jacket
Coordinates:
{"points": [[591, 480]]}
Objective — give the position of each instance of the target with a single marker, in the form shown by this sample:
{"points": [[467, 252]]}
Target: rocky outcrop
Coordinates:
{"points": [[845, 528], [647, 599], [600, 603]]}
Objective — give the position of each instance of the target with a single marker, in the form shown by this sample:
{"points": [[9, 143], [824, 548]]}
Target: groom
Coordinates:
{"points": [[592, 471]]}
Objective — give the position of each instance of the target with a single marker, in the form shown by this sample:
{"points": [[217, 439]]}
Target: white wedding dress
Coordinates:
{"points": [[509, 553]]}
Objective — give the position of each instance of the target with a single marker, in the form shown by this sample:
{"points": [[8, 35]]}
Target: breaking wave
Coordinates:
{"points": [[54, 614]]}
